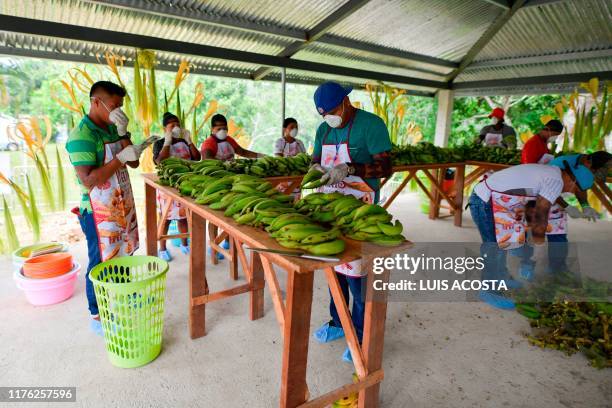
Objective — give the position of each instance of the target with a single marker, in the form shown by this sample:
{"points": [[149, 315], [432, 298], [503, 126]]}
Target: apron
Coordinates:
{"points": [[176, 212], [114, 211], [289, 150], [493, 139], [510, 222], [225, 151], [332, 155]]}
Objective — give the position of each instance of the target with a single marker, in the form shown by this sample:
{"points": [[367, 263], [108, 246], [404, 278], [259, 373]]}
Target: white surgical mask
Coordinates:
{"points": [[495, 120], [221, 134], [176, 131], [293, 132], [334, 121]]}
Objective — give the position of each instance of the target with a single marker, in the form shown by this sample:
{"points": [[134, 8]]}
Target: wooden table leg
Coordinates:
{"points": [[295, 345], [434, 205], [212, 234], [459, 180], [197, 275], [151, 219], [373, 334], [399, 189], [233, 269], [257, 281]]}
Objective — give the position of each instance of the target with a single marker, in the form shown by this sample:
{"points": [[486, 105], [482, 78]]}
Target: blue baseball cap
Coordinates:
{"points": [[329, 95], [571, 162]]}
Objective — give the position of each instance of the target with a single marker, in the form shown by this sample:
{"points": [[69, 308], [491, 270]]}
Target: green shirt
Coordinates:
{"points": [[85, 147], [369, 136]]}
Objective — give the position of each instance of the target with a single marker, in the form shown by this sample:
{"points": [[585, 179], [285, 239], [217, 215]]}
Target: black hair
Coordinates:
{"points": [[169, 117], [599, 159], [110, 88], [554, 125], [218, 118], [289, 121]]}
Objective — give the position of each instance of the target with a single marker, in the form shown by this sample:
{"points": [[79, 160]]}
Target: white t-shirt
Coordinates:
{"points": [[525, 179], [288, 149]]}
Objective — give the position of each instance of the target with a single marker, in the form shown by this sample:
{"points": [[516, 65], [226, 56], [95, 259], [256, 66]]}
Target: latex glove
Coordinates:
{"points": [[130, 153], [318, 167], [120, 119], [573, 212], [167, 139], [589, 213], [186, 136], [335, 175]]}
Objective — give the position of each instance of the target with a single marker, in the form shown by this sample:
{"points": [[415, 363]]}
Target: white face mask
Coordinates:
{"points": [[293, 132], [334, 121], [176, 131], [495, 120], [221, 134]]}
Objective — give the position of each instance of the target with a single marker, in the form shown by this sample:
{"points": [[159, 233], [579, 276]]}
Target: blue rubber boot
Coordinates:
{"points": [[497, 301], [219, 256], [185, 249], [346, 356], [165, 255], [225, 244], [96, 326], [328, 333]]}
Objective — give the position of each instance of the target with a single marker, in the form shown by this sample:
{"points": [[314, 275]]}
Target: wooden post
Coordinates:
{"points": [[212, 234], [373, 334], [434, 205], [459, 180], [444, 116], [233, 269], [197, 275], [257, 281], [294, 389], [151, 219]]}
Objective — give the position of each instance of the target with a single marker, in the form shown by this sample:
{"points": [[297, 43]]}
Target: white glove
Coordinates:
{"points": [[335, 175], [573, 212], [186, 136], [318, 167], [130, 153], [120, 119], [167, 139], [589, 213]]}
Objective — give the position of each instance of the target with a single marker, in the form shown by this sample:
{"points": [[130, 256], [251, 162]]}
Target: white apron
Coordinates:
{"points": [[176, 212], [332, 155], [289, 150], [114, 211], [493, 139], [225, 151]]}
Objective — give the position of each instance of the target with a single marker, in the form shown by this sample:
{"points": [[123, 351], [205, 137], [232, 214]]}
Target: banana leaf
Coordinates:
{"points": [[46, 183], [61, 181], [9, 225], [34, 213]]}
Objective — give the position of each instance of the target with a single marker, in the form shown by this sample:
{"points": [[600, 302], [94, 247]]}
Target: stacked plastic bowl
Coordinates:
{"points": [[48, 278]]}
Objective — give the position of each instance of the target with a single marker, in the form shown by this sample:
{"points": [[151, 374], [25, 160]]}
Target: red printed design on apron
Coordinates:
{"points": [[177, 212], [225, 151], [332, 155], [114, 211], [289, 150]]}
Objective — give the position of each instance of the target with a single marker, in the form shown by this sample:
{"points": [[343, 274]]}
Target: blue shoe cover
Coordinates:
{"points": [[225, 244], [96, 327], [526, 271], [497, 301], [165, 255], [346, 356], [220, 257], [328, 333], [185, 249]]}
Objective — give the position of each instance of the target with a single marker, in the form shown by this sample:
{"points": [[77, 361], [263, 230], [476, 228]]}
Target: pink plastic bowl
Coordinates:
{"points": [[40, 292]]}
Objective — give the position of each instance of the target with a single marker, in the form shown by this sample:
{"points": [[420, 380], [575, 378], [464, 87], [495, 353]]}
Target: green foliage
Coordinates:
{"points": [[61, 181], [35, 218], [9, 225]]}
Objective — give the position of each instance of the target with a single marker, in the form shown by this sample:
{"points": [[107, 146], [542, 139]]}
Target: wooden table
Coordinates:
{"points": [[292, 313], [435, 193]]}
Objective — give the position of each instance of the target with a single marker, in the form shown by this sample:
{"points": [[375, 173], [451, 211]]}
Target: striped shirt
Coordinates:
{"points": [[85, 147]]}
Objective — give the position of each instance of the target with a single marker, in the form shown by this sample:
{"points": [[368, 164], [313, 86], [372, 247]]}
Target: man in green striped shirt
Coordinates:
{"points": [[102, 132]]}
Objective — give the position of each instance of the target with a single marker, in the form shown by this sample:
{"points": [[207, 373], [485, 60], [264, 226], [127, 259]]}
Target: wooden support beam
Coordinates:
{"points": [[437, 185], [237, 290], [459, 181], [163, 218], [257, 281], [174, 236], [329, 398], [197, 275], [399, 189], [275, 292]]}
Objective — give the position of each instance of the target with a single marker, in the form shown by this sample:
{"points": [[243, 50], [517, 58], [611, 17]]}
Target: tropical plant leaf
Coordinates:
{"points": [[34, 212], [45, 181], [9, 225], [61, 181]]}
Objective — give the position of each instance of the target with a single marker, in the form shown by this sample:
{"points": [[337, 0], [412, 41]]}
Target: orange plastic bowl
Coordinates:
{"points": [[48, 266]]}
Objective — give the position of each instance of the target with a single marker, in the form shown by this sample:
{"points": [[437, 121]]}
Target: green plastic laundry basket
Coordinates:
{"points": [[130, 292]]}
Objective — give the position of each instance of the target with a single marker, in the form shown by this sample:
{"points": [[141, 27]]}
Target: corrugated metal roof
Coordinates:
{"points": [[381, 36], [438, 28]]}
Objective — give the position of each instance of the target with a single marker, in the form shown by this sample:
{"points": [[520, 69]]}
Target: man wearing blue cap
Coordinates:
{"points": [[498, 206], [352, 147]]}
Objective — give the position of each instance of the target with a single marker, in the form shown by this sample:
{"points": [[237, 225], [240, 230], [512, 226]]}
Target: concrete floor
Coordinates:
{"points": [[436, 354]]}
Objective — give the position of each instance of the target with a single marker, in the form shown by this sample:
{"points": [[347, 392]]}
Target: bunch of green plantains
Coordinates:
{"points": [[427, 153], [578, 318]]}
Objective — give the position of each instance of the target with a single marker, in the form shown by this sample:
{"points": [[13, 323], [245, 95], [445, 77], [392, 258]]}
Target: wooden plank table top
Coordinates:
{"points": [[258, 238]]}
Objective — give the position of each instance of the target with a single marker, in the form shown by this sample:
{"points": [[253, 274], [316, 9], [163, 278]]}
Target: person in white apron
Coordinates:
{"points": [[498, 133], [176, 143], [99, 147], [352, 147], [498, 207], [219, 145], [289, 146]]}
